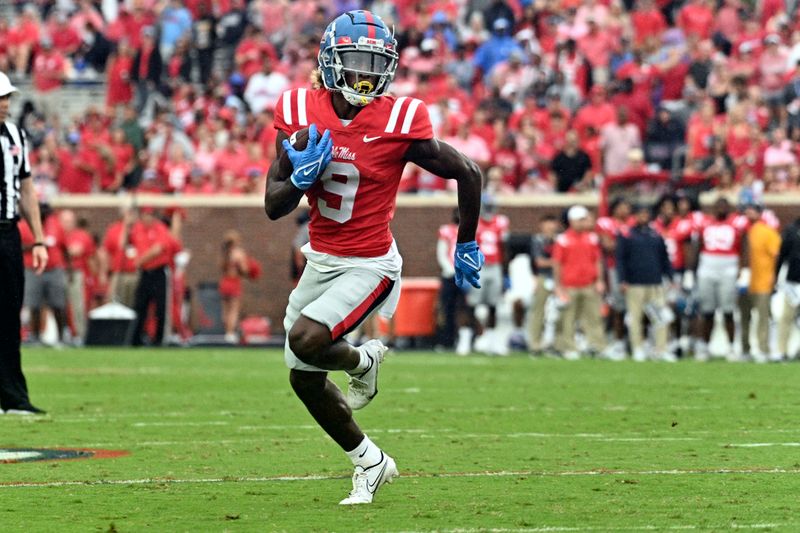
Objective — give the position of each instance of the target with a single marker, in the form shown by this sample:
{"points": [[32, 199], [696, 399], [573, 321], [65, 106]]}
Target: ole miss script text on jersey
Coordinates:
{"points": [[721, 237], [354, 199], [490, 236]]}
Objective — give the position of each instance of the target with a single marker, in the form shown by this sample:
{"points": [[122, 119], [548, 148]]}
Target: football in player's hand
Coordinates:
{"points": [[298, 140]]}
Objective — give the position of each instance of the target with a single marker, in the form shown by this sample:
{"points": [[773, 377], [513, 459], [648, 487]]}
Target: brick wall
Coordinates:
{"points": [[415, 229]]}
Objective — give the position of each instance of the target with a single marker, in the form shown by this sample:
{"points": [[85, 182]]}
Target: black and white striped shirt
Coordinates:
{"points": [[15, 165]]}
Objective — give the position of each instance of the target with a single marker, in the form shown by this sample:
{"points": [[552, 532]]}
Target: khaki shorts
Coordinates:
{"points": [[340, 300]]}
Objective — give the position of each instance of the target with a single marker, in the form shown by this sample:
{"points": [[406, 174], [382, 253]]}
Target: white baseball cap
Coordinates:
{"points": [[5, 85], [577, 212]]}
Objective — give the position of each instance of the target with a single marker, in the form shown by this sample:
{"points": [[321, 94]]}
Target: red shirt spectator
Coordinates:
{"points": [[596, 113], [53, 239], [118, 76], [492, 232], [80, 247], [152, 238], [49, 69], [77, 170], [578, 254], [65, 39], [120, 253], [648, 22], [696, 18]]}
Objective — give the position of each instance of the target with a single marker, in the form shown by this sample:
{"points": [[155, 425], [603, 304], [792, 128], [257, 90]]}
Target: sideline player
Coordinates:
{"points": [[717, 272], [350, 174]]}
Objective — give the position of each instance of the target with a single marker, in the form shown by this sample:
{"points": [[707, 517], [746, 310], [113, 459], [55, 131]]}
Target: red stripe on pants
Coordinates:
{"points": [[358, 313]]}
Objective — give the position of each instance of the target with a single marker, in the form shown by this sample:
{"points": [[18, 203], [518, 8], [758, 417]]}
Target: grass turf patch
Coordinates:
{"points": [[218, 442]]}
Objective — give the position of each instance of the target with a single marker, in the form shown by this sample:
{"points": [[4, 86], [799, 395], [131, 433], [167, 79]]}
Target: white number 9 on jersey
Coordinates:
{"points": [[340, 183]]}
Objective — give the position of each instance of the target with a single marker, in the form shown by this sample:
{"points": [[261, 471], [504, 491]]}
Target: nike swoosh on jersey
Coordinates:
{"points": [[370, 139]]}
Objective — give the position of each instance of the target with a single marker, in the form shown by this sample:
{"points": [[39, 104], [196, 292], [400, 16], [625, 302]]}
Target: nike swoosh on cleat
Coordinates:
{"points": [[370, 139], [372, 487], [364, 373]]}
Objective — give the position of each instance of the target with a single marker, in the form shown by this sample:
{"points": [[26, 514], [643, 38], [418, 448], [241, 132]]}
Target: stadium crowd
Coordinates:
{"points": [[546, 96], [550, 95]]}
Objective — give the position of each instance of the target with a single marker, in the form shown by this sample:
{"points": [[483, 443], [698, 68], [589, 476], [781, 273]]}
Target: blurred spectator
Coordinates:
{"points": [[176, 23], [577, 274], [205, 41], [118, 76], [696, 18], [642, 266], [154, 249], [665, 135], [542, 262], [265, 87], [491, 235], [235, 265], [617, 139], [48, 290], [497, 48], [452, 304], [24, 38], [571, 167], [147, 67], [65, 39], [762, 246], [596, 113], [117, 244], [609, 228], [49, 72], [790, 257], [779, 159], [80, 247]]}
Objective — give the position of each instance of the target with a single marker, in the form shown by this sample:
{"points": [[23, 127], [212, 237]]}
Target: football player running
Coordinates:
{"points": [[359, 140]]}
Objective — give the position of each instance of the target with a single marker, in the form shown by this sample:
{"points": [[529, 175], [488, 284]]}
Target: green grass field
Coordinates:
{"points": [[218, 442]]}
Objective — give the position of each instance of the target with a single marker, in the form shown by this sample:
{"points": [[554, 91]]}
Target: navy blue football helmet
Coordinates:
{"points": [[358, 56]]}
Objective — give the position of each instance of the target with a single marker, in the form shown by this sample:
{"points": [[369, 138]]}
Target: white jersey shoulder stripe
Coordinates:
{"points": [[410, 112], [287, 107], [302, 119], [395, 114]]}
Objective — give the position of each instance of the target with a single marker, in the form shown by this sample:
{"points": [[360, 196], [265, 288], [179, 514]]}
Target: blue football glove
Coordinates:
{"points": [[468, 263], [311, 162]]}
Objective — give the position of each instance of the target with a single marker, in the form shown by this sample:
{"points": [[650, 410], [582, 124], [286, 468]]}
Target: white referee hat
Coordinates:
{"points": [[5, 85]]}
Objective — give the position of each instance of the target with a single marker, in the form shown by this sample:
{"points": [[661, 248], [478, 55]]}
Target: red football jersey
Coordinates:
{"points": [[675, 235], [354, 199], [449, 234], [490, 236], [721, 237], [612, 227]]}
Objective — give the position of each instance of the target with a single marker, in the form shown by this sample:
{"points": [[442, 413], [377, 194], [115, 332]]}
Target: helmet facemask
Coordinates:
{"points": [[361, 71]]}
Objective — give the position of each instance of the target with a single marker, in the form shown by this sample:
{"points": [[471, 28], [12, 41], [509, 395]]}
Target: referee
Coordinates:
{"points": [[17, 196]]}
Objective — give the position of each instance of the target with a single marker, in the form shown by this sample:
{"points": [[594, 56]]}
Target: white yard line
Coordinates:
{"points": [[647, 527], [314, 477], [762, 444]]}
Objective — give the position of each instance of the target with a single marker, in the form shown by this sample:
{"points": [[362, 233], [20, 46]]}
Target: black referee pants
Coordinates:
{"points": [[13, 389], [152, 288]]}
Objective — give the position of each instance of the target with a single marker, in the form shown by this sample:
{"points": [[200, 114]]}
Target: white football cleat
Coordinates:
{"points": [[367, 481], [363, 387]]}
